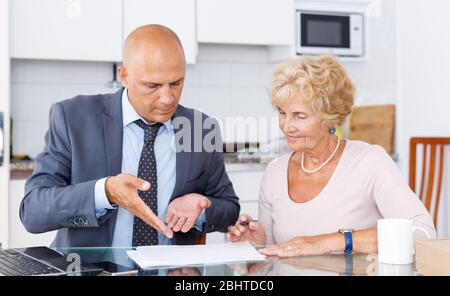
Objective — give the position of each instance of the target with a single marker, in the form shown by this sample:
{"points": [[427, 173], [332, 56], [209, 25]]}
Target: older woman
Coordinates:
{"points": [[327, 190]]}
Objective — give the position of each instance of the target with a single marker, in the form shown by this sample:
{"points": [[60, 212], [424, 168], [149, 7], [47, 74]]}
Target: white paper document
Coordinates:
{"points": [[160, 256]]}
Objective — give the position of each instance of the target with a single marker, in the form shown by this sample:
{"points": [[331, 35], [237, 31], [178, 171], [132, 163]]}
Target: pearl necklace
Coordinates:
{"points": [[302, 162]]}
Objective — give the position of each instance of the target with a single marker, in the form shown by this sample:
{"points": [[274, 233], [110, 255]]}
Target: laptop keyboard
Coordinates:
{"points": [[15, 263]]}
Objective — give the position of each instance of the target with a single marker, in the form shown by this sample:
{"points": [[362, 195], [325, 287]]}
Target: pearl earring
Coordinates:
{"points": [[331, 130]]}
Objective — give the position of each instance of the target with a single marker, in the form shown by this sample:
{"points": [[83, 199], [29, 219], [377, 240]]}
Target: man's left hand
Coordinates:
{"points": [[183, 212]]}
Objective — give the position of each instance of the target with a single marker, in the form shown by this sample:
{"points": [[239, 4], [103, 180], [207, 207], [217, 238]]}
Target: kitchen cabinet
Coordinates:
{"points": [[178, 15], [246, 185], [87, 30], [246, 181], [18, 236], [258, 22]]}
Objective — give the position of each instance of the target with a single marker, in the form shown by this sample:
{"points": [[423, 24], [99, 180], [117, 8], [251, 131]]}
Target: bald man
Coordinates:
{"points": [[132, 168]]}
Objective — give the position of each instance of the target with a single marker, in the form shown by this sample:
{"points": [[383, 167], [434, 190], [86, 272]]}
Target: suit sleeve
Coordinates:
{"points": [[225, 208], [51, 202]]}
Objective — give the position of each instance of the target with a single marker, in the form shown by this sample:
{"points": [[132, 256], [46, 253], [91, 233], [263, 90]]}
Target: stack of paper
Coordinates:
{"points": [[158, 256]]}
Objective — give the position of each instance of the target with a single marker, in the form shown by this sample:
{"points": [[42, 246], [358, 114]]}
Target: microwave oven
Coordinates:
{"points": [[336, 33]]}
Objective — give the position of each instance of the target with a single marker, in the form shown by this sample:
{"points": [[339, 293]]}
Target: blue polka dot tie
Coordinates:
{"points": [[144, 234]]}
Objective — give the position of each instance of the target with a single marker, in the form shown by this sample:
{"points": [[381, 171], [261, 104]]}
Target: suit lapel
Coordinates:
{"points": [[183, 158], [113, 133]]}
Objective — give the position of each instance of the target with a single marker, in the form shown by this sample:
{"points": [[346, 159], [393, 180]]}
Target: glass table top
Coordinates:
{"points": [[327, 265]]}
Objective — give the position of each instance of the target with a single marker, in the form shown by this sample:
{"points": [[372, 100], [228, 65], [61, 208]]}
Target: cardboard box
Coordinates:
{"points": [[433, 256]]}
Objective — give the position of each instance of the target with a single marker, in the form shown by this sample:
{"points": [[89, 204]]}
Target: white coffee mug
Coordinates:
{"points": [[396, 240]]}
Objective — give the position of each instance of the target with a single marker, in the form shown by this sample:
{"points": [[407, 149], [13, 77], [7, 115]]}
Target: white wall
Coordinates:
{"points": [[423, 78], [376, 78], [36, 84], [4, 107]]}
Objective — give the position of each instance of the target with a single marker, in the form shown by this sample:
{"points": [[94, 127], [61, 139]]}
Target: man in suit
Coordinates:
{"points": [[134, 167]]}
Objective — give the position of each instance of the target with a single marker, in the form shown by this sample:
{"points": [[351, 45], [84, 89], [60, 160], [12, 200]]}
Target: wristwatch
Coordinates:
{"points": [[348, 235]]}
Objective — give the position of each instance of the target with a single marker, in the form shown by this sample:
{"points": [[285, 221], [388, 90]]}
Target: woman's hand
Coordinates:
{"points": [[303, 246], [253, 231]]}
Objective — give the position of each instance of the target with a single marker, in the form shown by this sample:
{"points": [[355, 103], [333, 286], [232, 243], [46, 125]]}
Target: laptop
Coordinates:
{"points": [[41, 261]]}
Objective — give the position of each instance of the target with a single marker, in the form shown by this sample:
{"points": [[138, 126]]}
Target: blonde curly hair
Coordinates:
{"points": [[320, 81]]}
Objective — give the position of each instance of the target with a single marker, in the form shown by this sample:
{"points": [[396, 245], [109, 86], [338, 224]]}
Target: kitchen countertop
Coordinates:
{"points": [[244, 167], [22, 169], [241, 162]]}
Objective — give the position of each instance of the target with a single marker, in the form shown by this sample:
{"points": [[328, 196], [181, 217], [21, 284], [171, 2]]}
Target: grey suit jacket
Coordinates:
{"points": [[84, 144]]}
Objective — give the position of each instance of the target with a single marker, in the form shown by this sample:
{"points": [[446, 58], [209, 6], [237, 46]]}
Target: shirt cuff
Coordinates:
{"points": [[200, 221], [101, 200]]}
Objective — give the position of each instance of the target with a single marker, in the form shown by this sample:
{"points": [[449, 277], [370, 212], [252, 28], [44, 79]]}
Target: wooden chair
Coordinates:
{"points": [[432, 164]]}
